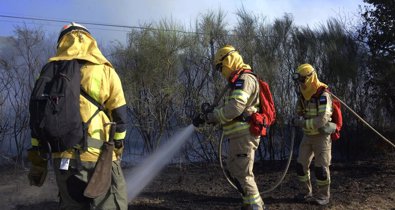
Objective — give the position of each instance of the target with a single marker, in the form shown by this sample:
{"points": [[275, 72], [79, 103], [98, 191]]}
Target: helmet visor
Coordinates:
{"points": [[299, 78]]}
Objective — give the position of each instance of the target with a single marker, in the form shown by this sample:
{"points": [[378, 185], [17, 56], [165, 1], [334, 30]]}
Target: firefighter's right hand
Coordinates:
{"points": [[198, 120], [210, 118], [206, 108], [119, 146], [298, 122], [38, 169]]}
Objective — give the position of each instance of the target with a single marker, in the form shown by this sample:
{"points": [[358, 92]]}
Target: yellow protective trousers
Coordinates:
{"points": [[318, 147], [240, 163]]}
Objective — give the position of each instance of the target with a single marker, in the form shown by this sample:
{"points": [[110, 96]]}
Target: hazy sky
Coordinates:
{"points": [[184, 12]]}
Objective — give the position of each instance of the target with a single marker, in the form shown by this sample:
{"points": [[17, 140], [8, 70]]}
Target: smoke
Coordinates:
{"points": [[146, 171]]}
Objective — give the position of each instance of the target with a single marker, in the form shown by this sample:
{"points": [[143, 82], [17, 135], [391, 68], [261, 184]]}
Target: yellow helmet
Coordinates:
{"points": [[303, 72], [223, 53], [227, 60], [308, 80], [305, 69]]}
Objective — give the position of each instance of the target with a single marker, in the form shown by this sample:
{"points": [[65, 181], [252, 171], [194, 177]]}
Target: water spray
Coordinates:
{"points": [[147, 170]]}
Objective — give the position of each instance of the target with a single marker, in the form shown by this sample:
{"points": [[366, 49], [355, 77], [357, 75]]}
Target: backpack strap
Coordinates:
{"points": [[100, 107], [236, 74], [232, 79], [91, 99], [319, 92], [317, 95]]}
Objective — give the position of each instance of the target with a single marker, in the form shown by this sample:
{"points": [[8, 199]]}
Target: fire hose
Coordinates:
{"points": [[278, 182], [362, 120], [206, 107]]}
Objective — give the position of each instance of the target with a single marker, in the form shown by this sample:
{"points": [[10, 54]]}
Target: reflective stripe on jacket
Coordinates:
{"points": [[317, 112], [240, 101]]}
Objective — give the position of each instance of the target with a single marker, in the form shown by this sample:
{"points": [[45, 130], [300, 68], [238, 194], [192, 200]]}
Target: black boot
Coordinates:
{"points": [[253, 207]]}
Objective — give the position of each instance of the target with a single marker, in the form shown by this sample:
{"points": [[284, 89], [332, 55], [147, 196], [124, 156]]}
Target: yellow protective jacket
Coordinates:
{"points": [[100, 81], [242, 100], [316, 112]]}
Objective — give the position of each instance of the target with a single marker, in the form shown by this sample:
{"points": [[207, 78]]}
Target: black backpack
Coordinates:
{"points": [[54, 106]]}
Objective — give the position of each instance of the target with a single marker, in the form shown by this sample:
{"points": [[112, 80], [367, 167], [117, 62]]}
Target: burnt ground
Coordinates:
{"points": [[368, 184]]}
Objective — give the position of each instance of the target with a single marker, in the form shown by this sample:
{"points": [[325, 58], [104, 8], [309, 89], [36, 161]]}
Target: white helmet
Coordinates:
{"points": [[71, 27]]}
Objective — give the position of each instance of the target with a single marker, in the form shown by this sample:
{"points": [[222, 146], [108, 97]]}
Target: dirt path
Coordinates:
{"points": [[357, 185]]}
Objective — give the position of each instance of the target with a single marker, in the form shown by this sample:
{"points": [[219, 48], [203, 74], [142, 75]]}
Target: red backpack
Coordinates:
{"points": [[259, 121], [337, 117]]}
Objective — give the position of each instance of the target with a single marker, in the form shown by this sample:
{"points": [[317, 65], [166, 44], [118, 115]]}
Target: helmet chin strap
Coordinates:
{"points": [[297, 88], [227, 54]]}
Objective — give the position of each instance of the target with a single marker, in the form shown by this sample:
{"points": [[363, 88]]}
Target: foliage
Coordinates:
{"points": [[378, 33], [149, 67], [167, 73], [378, 27], [19, 68]]}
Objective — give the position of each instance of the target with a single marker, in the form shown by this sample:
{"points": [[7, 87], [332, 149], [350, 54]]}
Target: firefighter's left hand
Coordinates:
{"points": [[38, 169], [198, 120]]}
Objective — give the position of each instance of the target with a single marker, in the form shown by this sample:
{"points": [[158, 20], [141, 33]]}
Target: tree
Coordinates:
{"points": [[378, 27], [149, 69], [378, 33], [20, 67]]}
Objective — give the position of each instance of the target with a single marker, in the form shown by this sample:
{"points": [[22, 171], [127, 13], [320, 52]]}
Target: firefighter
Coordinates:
{"points": [[241, 103], [314, 110], [102, 83]]}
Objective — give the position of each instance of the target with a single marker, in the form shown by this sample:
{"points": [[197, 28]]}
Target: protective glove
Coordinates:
{"points": [[119, 145], [206, 115], [38, 170], [206, 108], [299, 122], [198, 120], [210, 118]]}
